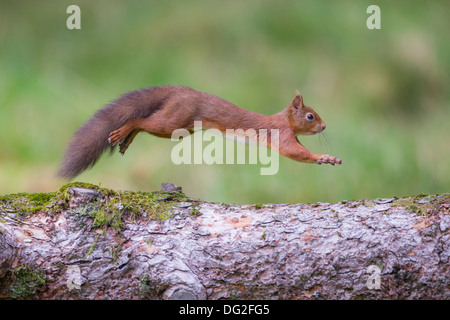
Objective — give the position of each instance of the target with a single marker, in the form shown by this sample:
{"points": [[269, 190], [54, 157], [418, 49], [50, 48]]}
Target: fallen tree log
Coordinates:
{"points": [[84, 242]]}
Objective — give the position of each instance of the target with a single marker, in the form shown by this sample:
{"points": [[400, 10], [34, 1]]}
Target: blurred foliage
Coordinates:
{"points": [[384, 94]]}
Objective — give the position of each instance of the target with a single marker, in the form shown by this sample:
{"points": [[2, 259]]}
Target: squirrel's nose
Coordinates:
{"points": [[323, 126]]}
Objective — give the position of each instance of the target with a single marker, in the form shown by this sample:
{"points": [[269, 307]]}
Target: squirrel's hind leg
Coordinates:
{"points": [[128, 140], [124, 135]]}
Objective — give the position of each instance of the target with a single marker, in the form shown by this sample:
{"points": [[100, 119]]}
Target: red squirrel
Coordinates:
{"points": [[161, 110]]}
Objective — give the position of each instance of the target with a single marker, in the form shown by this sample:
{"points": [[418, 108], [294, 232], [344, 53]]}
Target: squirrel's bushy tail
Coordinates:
{"points": [[91, 140]]}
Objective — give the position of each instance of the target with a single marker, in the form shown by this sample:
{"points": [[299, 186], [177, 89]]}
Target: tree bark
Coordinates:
{"points": [[379, 249]]}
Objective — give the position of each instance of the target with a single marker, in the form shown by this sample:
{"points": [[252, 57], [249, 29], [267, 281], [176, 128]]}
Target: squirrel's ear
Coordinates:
{"points": [[297, 102]]}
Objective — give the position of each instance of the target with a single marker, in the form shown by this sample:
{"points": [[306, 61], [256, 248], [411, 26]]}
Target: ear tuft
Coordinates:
{"points": [[297, 102]]}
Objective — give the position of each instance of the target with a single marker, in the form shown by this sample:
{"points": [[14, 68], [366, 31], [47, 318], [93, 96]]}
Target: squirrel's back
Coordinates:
{"points": [[91, 140]]}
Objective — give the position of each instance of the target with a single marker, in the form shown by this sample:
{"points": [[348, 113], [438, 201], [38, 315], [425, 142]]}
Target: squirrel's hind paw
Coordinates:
{"points": [[115, 137]]}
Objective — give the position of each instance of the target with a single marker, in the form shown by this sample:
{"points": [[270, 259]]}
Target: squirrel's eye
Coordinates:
{"points": [[310, 116]]}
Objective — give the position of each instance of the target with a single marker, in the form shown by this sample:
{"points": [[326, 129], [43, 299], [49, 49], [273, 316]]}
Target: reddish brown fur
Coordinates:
{"points": [[161, 110]]}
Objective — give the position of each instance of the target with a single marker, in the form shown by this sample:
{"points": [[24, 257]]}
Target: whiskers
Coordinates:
{"points": [[324, 139]]}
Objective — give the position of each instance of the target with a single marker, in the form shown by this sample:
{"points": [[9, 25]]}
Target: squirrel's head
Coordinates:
{"points": [[303, 119]]}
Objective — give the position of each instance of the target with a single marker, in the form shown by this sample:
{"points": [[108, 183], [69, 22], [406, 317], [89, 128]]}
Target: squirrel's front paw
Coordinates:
{"points": [[325, 158]]}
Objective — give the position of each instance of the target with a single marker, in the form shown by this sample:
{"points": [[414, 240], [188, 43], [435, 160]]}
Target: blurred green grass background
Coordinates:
{"points": [[384, 94]]}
